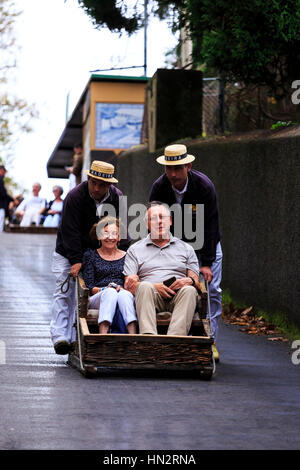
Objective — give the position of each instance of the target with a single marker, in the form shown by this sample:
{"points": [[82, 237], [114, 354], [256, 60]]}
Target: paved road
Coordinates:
{"points": [[251, 403]]}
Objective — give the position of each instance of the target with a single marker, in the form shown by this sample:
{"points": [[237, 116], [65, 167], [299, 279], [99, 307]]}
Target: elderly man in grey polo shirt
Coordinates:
{"points": [[155, 259]]}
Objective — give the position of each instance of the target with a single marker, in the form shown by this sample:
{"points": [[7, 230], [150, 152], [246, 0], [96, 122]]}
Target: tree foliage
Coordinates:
{"points": [[114, 14], [15, 113], [255, 42], [128, 15]]}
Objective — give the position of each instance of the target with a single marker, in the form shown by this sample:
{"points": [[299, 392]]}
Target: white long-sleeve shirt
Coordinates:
{"points": [[32, 203]]}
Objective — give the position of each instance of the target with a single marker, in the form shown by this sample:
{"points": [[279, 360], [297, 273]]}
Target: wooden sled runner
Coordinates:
{"points": [[94, 351]]}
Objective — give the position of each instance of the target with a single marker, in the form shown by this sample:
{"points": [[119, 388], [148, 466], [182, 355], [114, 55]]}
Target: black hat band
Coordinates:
{"points": [[177, 157], [101, 175]]}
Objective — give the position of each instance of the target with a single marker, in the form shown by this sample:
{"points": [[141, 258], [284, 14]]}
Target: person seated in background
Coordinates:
{"points": [[53, 212], [12, 208], [103, 275], [31, 207], [154, 260]]}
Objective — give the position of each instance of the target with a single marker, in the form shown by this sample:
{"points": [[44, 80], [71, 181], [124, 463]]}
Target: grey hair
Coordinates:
{"points": [[61, 190]]}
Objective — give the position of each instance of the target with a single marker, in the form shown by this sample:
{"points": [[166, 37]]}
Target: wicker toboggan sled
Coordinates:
{"points": [[94, 351]]}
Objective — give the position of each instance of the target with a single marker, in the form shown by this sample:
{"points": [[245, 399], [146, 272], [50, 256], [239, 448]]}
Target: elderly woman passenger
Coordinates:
{"points": [[55, 208], [103, 276]]}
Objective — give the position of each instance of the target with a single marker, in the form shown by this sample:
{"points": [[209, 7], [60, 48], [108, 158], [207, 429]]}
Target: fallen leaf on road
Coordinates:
{"points": [[248, 310], [279, 338], [250, 324]]}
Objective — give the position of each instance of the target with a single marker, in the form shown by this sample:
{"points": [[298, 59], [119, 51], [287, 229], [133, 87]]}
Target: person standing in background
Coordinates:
{"points": [[5, 198], [76, 168]]}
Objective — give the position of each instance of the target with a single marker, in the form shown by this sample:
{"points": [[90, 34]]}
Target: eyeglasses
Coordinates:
{"points": [[109, 235], [154, 218]]}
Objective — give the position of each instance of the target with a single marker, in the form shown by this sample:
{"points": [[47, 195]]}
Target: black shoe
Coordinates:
{"points": [[62, 347]]}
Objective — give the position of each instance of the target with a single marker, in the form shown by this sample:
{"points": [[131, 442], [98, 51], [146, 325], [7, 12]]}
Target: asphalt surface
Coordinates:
{"points": [[252, 402]]}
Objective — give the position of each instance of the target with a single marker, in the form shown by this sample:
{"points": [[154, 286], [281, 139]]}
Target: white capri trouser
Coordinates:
{"points": [[215, 291], [30, 216], [52, 220], [63, 305], [108, 299]]}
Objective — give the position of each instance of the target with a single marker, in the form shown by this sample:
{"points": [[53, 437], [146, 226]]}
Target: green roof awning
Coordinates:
{"points": [[62, 154]]}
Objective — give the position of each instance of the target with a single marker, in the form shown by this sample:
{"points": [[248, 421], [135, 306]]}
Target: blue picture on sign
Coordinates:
{"points": [[118, 125]]}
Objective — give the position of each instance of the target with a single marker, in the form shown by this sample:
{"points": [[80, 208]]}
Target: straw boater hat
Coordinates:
{"points": [[102, 171], [175, 155]]}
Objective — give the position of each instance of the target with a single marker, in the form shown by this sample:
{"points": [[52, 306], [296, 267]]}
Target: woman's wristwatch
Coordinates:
{"points": [[193, 281], [113, 284]]}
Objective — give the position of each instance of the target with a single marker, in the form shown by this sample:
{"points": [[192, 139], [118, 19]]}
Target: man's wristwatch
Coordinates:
{"points": [[193, 281]]}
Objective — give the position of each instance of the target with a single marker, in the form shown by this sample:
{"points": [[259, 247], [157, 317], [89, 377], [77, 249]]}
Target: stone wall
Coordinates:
{"points": [[257, 180]]}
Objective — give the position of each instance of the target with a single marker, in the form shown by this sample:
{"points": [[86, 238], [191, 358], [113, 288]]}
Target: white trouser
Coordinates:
{"points": [[108, 299], [215, 291], [64, 305], [51, 220], [2, 218], [30, 216], [72, 181]]}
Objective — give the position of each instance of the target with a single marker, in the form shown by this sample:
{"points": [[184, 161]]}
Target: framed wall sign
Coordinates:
{"points": [[118, 125]]}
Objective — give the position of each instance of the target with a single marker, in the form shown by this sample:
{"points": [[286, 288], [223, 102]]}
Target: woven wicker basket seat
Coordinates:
{"points": [[94, 351]]}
